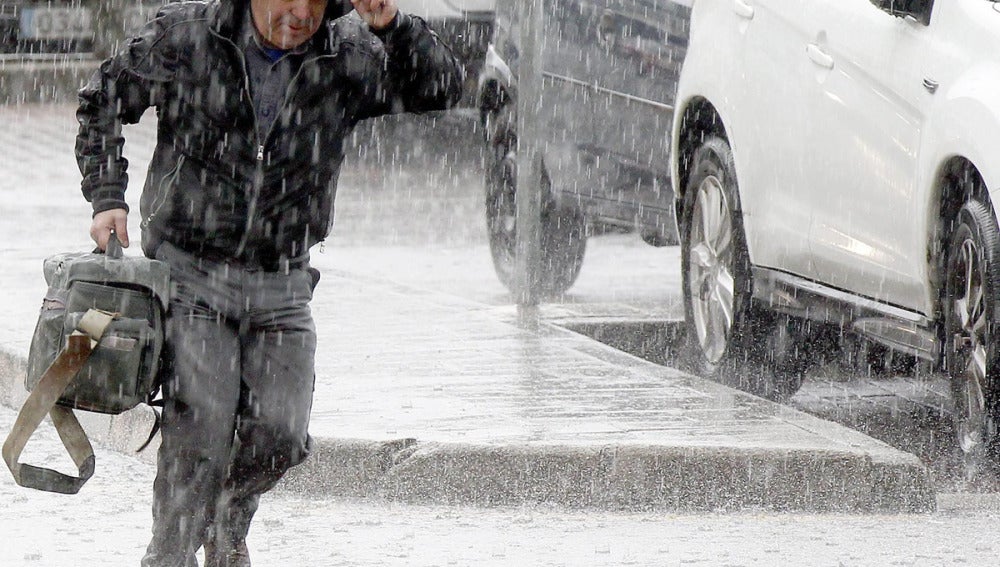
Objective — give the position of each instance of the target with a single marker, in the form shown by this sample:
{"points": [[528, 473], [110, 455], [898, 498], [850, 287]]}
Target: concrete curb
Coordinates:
{"points": [[624, 477]]}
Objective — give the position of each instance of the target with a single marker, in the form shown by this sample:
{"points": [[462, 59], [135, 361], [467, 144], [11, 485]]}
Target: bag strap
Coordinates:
{"points": [[43, 399]]}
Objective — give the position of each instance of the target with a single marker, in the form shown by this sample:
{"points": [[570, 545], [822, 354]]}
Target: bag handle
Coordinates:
{"points": [[114, 248], [43, 399]]}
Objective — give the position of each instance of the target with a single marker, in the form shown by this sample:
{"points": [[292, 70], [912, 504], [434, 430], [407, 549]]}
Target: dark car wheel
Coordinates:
{"points": [[563, 227], [970, 310], [729, 338]]}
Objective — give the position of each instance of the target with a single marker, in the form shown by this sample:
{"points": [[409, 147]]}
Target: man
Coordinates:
{"points": [[254, 99]]}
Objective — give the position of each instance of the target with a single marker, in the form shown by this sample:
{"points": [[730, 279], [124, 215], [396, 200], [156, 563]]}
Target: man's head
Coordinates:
{"points": [[287, 24]]}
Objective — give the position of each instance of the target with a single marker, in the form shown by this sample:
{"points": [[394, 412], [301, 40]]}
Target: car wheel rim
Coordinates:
{"points": [[711, 280], [969, 336]]}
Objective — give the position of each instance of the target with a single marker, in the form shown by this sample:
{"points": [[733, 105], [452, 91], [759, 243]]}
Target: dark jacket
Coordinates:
{"points": [[216, 187]]}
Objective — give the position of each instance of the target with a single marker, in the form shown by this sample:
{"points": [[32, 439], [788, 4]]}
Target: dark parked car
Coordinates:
{"points": [[465, 25], [610, 70]]}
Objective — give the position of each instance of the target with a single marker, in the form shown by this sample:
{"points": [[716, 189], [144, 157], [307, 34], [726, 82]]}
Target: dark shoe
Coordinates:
{"points": [[236, 555]]}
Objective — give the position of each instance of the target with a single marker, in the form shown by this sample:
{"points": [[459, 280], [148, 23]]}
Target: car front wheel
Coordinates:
{"points": [[563, 226], [970, 311], [728, 337]]}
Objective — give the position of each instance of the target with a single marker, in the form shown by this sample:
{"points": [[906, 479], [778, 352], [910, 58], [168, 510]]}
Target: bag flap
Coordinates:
{"points": [[61, 270]]}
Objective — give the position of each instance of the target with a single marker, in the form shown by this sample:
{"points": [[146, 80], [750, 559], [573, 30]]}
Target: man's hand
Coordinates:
{"points": [[106, 221], [376, 13]]}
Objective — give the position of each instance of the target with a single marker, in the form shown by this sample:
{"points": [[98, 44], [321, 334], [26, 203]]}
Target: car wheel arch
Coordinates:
{"points": [[492, 95], [492, 98], [698, 121], [957, 182]]}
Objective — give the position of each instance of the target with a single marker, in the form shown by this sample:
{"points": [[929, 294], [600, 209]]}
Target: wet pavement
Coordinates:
{"points": [[428, 389]]}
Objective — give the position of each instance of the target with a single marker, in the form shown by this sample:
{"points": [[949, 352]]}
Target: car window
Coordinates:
{"points": [[920, 10]]}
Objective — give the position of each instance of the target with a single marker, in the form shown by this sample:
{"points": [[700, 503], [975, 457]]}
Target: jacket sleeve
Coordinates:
{"points": [[420, 74], [118, 93]]}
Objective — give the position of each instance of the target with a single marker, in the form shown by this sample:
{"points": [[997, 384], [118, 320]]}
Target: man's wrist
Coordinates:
{"points": [[107, 200], [392, 26]]}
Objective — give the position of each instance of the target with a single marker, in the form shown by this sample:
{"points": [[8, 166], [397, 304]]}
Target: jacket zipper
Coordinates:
{"points": [[259, 173], [261, 142]]}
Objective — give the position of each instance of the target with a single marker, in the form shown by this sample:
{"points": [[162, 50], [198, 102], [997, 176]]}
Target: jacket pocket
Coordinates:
{"points": [[114, 378], [166, 185], [47, 339]]}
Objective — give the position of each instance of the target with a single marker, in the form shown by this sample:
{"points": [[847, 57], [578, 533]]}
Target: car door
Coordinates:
{"points": [[638, 47], [867, 107], [765, 113], [566, 104]]}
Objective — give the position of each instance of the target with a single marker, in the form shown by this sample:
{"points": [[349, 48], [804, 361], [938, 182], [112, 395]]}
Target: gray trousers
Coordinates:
{"points": [[237, 386]]}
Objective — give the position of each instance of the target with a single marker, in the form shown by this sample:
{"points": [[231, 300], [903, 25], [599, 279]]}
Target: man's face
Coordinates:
{"points": [[287, 24]]}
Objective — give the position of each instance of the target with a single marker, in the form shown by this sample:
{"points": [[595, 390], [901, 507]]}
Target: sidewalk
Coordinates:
{"points": [[424, 396]]}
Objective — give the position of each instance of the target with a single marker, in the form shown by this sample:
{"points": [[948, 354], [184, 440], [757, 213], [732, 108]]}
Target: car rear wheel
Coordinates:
{"points": [[729, 338], [563, 226], [970, 310]]}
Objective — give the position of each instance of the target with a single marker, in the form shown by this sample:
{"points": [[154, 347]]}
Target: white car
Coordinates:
{"points": [[835, 164]]}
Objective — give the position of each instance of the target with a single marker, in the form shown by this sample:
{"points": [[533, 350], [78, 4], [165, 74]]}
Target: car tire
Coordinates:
{"points": [[563, 226], [971, 305], [729, 338]]}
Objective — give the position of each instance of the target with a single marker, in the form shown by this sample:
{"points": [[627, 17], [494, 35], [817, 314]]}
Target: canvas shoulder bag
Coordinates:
{"points": [[96, 347]]}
